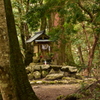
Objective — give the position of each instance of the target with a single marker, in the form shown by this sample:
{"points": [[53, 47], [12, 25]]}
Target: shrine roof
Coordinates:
{"points": [[36, 35], [44, 40]]}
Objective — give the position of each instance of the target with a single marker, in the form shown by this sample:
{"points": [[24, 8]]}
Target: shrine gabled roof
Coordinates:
{"points": [[37, 34]]}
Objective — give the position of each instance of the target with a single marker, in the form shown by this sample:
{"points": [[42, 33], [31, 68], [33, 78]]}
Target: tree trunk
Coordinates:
{"points": [[1, 97], [69, 55], [80, 55], [63, 47], [91, 53], [23, 88], [43, 23], [6, 83], [29, 47], [24, 30]]}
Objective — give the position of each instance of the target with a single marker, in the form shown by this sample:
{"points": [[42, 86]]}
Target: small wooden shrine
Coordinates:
{"points": [[42, 44]]}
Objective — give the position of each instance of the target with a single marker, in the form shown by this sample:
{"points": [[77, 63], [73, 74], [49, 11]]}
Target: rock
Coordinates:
{"points": [[52, 71], [29, 69], [65, 68], [30, 76], [78, 76], [36, 67], [56, 67], [70, 69], [66, 74], [54, 76], [44, 73], [32, 64], [37, 75], [39, 82], [40, 67], [32, 82], [45, 67]]}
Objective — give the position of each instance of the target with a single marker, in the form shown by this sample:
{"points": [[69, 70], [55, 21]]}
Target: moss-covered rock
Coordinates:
{"points": [[44, 73], [54, 76], [56, 67], [37, 75], [30, 76], [45, 67], [65, 68]]}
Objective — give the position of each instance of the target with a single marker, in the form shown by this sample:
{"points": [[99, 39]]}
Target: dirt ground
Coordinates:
{"points": [[51, 92]]}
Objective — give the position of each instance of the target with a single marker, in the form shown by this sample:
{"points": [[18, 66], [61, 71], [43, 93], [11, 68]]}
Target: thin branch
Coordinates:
{"points": [[88, 12]]}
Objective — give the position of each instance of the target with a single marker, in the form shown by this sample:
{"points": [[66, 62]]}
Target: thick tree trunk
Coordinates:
{"points": [[69, 55], [62, 42], [1, 97], [43, 23], [63, 47], [6, 83], [23, 88]]}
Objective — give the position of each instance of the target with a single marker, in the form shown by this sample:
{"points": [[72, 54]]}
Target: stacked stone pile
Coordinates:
{"points": [[50, 72]]}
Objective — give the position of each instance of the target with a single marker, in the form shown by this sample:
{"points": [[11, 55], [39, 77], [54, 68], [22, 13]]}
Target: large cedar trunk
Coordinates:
{"points": [[62, 42], [64, 52], [69, 55], [6, 83], [23, 88]]}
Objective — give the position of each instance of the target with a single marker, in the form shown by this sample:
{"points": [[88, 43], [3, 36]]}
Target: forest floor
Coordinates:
{"points": [[52, 92]]}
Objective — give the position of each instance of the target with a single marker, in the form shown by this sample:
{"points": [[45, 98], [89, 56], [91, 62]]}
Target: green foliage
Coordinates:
{"points": [[74, 17], [60, 97], [97, 19], [17, 5], [33, 19], [74, 13], [96, 94], [55, 34], [73, 97], [33, 1]]}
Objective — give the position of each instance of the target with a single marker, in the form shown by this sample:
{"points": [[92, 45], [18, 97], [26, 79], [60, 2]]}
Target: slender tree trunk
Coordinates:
{"points": [[86, 36], [80, 55], [23, 88], [29, 47], [24, 30], [91, 53]]}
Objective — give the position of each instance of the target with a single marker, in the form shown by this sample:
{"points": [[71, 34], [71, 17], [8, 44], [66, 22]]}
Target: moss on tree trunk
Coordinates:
{"points": [[23, 88]]}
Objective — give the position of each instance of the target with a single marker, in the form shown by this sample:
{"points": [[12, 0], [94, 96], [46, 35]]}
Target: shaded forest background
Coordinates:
{"points": [[73, 25]]}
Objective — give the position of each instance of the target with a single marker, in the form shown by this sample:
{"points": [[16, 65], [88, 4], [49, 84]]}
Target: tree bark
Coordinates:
{"points": [[80, 55], [24, 32], [23, 88], [69, 55], [91, 53], [7, 88]]}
